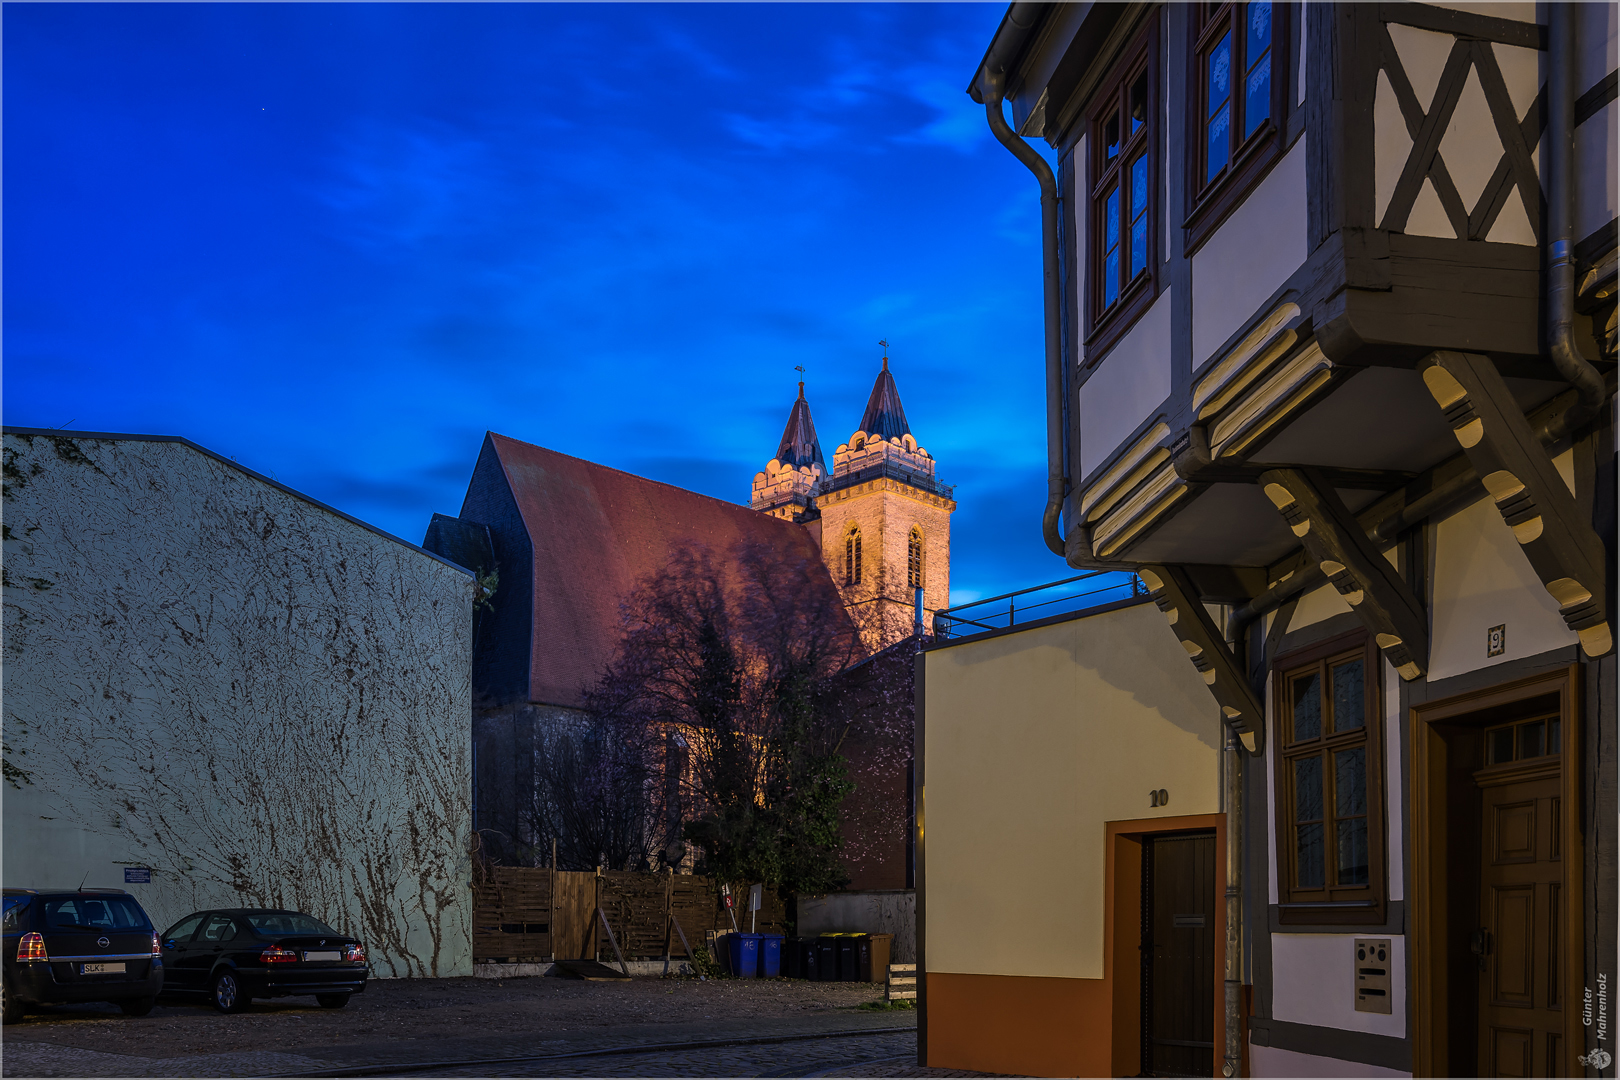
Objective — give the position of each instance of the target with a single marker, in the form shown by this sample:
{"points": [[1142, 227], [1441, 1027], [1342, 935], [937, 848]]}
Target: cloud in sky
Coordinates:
{"points": [[342, 241]]}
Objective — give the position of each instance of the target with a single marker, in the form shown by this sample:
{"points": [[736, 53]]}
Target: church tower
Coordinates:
{"points": [[886, 520], [792, 479]]}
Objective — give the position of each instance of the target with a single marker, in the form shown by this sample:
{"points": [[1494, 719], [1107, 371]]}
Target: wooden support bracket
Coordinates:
{"points": [[1337, 543], [1172, 591], [1564, 550]]}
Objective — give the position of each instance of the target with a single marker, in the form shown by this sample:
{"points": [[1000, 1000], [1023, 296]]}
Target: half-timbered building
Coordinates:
{"points": [[1330, 346]]}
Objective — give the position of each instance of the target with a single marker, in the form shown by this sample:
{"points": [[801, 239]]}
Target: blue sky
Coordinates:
{"points": [[338, 243]]}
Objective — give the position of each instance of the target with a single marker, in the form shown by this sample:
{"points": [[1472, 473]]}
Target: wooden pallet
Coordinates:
{"points": [[902, 985]]}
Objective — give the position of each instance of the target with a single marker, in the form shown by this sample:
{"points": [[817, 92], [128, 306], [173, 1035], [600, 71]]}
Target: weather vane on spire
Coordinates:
{"points": [[885, 345]]}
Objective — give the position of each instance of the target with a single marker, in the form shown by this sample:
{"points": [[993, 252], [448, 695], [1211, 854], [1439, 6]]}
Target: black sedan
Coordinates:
{"points": [[234, 955]]}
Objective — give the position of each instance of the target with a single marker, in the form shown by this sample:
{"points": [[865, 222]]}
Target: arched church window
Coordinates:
{"points": [[852, 556], [914, 560]]}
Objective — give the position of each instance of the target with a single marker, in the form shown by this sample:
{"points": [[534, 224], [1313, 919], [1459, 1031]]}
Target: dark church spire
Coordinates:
{"points": [[885, 418], [799, 446]]}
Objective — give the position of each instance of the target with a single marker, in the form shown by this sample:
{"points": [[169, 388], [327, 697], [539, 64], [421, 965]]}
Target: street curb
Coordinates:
{"points": [[608, 1051]]}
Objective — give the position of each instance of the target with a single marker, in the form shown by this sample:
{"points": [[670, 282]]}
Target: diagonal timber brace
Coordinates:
{"points": [[1172, 590], [1565, 552], [1338, 544]]}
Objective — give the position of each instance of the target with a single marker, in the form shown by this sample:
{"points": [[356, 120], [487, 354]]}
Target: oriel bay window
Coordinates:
{"points": [[1124, 138], [1329, 791]]}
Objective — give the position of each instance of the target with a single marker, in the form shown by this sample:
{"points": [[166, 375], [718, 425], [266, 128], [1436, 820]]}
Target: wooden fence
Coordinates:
{"points": [[532, 914]]}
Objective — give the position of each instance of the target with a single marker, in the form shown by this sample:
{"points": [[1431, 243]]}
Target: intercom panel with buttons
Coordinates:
{"points": [[1373, 956]]}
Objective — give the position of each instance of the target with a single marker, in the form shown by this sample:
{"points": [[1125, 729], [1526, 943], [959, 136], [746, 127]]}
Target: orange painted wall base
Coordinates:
{"points": [[1018, 1024]]}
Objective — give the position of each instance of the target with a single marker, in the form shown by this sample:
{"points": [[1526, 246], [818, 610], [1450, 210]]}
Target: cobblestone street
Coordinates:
{"points": [[477, 1028]]}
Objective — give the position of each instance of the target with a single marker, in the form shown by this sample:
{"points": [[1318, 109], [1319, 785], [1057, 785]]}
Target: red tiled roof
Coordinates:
{"points": [[597, 533]]}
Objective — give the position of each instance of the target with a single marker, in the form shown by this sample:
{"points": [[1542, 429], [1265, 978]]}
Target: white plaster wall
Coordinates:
{"points": [[1313, 982], [1481, 580], [264, 703], [1267, 1061], [1250, 256], [1597, 43], [1033, 741], [1597, 175], [1128, 388]]}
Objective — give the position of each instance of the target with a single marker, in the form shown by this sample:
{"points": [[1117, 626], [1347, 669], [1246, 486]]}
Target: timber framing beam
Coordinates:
{"points": [[1337, 543], [1173, 591], [1565, 552]]}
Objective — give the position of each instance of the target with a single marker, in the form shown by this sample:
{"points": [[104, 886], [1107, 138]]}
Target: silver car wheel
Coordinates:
{"points": [[225, 991]]}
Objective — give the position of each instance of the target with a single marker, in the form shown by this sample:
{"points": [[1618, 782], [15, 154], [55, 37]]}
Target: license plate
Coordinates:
{"points": [[323, 956], [101, 969]]}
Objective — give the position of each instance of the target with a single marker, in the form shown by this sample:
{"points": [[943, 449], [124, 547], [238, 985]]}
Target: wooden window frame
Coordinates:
{"points": [[1105, 328], [1332, 904], [1209, 204]]}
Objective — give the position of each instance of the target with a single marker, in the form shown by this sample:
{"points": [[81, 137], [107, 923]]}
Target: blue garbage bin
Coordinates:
{"points": [[770, 956], [744, 954]]}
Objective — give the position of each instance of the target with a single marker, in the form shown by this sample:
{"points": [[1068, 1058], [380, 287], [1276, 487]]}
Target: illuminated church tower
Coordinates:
{"points": [[882, 518]]}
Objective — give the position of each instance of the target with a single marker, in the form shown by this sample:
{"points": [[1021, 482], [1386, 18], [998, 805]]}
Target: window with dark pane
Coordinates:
{"points": [[1523, 741], [1308, 822], [1257, 61], [1122, 184], [1330, 819]]}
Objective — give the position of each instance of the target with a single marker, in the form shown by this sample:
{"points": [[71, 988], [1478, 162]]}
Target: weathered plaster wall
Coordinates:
{"points": [[265, 702]]}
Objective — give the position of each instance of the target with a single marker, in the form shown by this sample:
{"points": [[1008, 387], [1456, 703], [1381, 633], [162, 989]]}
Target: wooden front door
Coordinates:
{"points": [[1520, 940], [1178, 955]]}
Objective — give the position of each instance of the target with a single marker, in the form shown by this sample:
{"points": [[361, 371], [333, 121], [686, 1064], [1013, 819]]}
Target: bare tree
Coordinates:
{"points": [[726, 668]]}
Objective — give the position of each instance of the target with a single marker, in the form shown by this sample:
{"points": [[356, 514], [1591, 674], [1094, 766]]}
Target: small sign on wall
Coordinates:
{"points": [[1496, 640], [137, 875]]}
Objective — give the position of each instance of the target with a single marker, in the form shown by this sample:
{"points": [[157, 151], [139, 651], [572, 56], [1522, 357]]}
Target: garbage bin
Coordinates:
{"points": [[849, 958], [744, 954], [827, 957], [860, 959], [882, 950], [770, 956], [806, 951]]}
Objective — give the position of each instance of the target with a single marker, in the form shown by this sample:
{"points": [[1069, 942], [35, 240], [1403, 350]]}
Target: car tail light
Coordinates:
{"points": [[355, 953], [31, 947], [157, 945], [275, 954]]}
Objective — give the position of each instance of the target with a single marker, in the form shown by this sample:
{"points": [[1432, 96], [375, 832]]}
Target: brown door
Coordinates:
{"points": [[1178, 955], [1519, 939], [573, 931]]}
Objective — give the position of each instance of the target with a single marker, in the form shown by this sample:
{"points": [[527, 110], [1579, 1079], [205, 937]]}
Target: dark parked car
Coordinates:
{"points": [[78, 945], [234, 955]]}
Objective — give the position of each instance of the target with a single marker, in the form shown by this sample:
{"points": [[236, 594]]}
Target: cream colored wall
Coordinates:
{"points": [[1032, 742]]}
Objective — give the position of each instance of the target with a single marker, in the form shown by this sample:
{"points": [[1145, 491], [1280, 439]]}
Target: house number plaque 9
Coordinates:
{"points": [[1159, 798]]}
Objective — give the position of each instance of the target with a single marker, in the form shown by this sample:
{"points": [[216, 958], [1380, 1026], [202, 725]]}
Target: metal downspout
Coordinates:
{"points": [[1566, 356], [1235, 753], [993, 85]]}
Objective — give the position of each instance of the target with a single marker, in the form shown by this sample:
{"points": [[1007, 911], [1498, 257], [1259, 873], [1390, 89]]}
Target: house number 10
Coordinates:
{"points": [[1159, 798]]}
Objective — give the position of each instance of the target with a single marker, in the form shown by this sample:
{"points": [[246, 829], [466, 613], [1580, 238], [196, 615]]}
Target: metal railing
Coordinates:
{"points": [[1066, 597]]}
